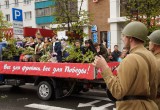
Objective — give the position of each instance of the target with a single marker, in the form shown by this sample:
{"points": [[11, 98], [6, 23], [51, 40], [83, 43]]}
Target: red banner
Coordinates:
{"points": [[62, 70], [112, 65]]}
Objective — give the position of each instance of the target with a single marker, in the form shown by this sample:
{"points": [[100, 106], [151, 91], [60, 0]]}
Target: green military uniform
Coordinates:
{"points": [[136, 75], [155, 38]]}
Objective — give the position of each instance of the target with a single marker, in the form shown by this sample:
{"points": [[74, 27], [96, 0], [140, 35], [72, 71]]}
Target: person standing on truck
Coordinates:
{"points": [[38, 51], [56, 49], [135, 85], [154, 46]]}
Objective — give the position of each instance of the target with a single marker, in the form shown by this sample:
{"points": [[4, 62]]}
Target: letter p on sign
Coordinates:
{"points": [[17, 14]]}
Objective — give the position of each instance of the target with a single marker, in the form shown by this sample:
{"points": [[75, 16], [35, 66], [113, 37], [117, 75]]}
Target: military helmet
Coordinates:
{"points": [[155, 37], [136, 29]]}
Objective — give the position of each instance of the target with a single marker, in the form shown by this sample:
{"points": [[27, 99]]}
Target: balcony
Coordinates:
{"points": [[44, 4], [44, 20]]}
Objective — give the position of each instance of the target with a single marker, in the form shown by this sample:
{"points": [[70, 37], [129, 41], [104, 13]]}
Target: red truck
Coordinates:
{"points": [[53, 80]]}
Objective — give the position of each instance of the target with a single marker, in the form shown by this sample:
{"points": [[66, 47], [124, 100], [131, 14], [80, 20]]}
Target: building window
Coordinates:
{"points": [[8, 17], [44, 12], [28, 15], [27, 1], [7, 3], [103, 37], [16, 2]]}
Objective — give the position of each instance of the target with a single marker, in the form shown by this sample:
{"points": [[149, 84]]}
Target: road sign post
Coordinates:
{"points": [[17, 22]]}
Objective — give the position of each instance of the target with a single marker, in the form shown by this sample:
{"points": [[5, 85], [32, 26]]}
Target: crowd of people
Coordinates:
{"points": [[57, 49], [40, 47]]}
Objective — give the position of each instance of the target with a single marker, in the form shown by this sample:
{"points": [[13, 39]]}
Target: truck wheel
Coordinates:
{"points": [[77, 89], [45, 90], [16, 87]]}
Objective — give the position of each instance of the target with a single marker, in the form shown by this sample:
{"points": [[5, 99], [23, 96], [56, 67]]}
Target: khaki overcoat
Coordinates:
{"points": [[134, 79], [157, 55]]}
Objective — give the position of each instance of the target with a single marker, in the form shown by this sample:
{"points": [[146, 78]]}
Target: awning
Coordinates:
{"points": [[28, 32], [32, 32]]}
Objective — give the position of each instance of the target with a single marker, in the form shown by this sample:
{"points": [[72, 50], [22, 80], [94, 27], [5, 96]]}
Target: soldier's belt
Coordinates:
{"points": [[134, 98]]}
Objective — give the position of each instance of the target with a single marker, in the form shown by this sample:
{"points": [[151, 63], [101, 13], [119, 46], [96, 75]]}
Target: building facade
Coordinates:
{"points": [[106, 24], [27, 6], [44, 10], [116, 22], [99, 9]]}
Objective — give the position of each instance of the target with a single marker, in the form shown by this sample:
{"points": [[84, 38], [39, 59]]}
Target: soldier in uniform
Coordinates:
{"points": [[134, 87], [154, 46]]}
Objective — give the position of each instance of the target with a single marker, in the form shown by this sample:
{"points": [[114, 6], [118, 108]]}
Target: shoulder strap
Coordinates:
{"points": [[145, 58]]}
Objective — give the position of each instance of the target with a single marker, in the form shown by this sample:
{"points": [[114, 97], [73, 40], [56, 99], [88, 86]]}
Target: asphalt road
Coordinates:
{"points": [[25, 98]]}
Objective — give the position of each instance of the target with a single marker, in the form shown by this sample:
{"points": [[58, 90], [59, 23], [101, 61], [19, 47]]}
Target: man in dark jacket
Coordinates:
{"points": [[116, 53], [87, 47]]}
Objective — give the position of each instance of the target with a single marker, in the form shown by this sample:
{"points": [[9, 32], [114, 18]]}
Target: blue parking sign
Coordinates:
{"points": [[17, 14]]}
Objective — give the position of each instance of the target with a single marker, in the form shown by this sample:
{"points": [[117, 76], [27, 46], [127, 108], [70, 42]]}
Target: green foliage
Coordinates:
{"points": [[88, 57], [3, 25], [9, 52], [28, 51], [45, 57], [145, 11], [74, 56], [77, 56], [72, 18], [67, 13]]}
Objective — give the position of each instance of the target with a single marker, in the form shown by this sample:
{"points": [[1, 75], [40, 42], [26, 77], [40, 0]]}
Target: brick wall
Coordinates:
{"points": [[100, 12]]}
